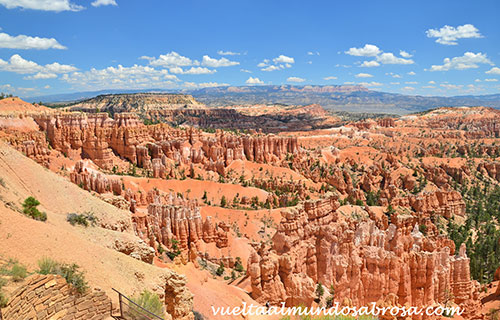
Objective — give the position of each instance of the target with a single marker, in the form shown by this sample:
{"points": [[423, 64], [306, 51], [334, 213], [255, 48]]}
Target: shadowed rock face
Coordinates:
{"points": [[365, 260]]}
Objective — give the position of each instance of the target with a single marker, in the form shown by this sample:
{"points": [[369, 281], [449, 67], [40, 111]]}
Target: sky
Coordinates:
{"points": [[411, 47]]}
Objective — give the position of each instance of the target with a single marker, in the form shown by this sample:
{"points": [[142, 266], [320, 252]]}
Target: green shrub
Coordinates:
{"points": [[30, 209], [18, 272], [83, 219], [238, 266], [70, 272], [15, 270], [3, 300], [47, 266], [150, 301], [220, 270]]}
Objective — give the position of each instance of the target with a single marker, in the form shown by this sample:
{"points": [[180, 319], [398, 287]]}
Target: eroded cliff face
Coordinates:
{"points": [[171, 218], [102, 139], [365, 260]]}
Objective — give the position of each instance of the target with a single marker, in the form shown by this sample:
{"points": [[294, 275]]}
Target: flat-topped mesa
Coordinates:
{"points": [[365, 260]]}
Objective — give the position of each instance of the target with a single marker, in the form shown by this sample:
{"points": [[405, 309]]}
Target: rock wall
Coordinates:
{"points": [[364, 259], [173, 218], [50, 297], [99, 138]]}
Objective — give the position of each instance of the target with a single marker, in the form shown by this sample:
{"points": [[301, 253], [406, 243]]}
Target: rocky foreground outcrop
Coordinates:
{"points": [[364, 259]]}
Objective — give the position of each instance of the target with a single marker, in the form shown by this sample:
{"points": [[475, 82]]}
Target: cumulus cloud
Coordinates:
{"points": [[491, 80], [254, 81], [405, 54], [411, 73], [283, 59], [271, 68], [369, 50], [41, 75], [370, 64], [278, 63], [245, 70], [27, 42], [448, 35], [228, 53], [98, 3], [330, 78], [214, 63], [44, 5], [469, 60], [18, 64], [390, 58], [171, 59], [363, 75], [121, 77], [192, 70], [408, 88], [494, 70], [310, 53], [295, 79]]}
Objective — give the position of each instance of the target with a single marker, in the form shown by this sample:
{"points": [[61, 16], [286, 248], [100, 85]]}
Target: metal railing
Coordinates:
{"points": [[130, 310]]}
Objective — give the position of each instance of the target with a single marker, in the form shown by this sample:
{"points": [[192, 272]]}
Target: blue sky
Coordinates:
{"points": [[412, 47]]}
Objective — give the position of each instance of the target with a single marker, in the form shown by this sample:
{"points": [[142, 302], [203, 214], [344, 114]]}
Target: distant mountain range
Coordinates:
{"points": [[335, 98]]}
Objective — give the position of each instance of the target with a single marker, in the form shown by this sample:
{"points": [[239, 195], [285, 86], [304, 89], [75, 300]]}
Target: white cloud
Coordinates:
{"points": [[254, 81], [330, 78], [214, 63], [44, 5], [411, 82], [41, 75], [271, 68], [369, 50], [363, 75], [192, 70], [469, 60], [408, 88], [411, 73], [283, 59], [390, 58], [491, 80], [494, 70], [394, 75], [428, 87], [449, 35], [20, 65], [26, 42], [370, 64], [245, 70], [171, 59], [371, 84], [477, 80], [228, 53], [310, 53], [295, 79], [432, 82], [122, 78], [395, 83], [451, 86], [405, 54], [98, 3], [278, 63]]}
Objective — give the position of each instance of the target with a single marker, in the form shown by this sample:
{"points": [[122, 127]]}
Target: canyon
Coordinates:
{"points": [[306, 200]]}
